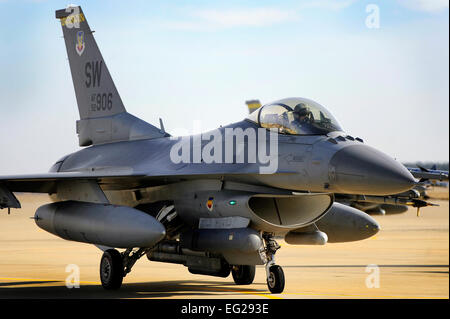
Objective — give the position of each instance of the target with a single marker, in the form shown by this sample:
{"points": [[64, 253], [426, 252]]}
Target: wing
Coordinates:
{"points": [[46, 183]]}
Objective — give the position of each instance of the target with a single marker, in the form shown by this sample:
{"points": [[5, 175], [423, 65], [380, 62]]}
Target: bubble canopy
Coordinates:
{"points": [[295, 116]]}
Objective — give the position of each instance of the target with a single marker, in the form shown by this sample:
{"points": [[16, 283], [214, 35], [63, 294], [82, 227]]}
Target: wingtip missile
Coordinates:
{"points": [[421, 203]]}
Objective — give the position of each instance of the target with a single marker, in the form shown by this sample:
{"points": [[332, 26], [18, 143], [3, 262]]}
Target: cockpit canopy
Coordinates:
{"points": [[295, 116]]}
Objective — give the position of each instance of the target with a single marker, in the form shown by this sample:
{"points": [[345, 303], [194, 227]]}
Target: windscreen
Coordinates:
{"points": [[302, 119]]}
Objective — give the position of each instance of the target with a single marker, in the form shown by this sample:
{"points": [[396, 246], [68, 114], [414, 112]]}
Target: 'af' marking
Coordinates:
{"points": [[93, 72]]}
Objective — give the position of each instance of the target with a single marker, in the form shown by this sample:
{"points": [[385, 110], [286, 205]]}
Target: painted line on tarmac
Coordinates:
{"points": [[365, 296], [47, 280], [261, 294]]}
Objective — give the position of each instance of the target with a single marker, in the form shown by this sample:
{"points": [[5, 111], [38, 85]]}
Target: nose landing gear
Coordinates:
{"points": [[275, 279], [274, 273]]}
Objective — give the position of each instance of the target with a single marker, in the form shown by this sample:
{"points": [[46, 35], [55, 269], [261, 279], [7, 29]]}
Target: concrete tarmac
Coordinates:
{"points": [[408, 258]]}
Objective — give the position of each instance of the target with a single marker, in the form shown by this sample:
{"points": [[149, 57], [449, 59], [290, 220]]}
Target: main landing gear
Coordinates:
{"points": [[243, 275], [274, 273], [111, 269], [115, 265]]}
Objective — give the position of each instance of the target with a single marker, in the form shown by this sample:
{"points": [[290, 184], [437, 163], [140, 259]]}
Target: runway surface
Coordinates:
{"points": [[410, 254]]}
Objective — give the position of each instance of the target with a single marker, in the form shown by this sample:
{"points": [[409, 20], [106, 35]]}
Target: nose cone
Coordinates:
{"points": [[361, 169]]}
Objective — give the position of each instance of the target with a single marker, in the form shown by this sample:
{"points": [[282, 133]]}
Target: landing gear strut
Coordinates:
{"points": [[274, 273], [114, 266]]}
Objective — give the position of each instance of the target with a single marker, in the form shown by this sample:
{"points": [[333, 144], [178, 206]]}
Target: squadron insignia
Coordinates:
{"points": [[210, 204], [80, 45]]}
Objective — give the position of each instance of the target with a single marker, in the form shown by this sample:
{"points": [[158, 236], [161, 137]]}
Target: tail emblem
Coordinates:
{"points": [[79, 46], [210, 204]]}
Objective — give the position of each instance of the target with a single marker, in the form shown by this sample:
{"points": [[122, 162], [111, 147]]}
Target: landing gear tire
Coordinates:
{"points": [[243, 275], [111, 269], [275, 280]]}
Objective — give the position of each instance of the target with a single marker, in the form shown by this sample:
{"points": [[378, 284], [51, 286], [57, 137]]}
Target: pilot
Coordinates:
{"points": [[301, 113]]}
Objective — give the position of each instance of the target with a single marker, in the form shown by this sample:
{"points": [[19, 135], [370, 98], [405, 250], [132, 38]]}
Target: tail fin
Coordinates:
{"points": [[103, 117], [96, 93]]}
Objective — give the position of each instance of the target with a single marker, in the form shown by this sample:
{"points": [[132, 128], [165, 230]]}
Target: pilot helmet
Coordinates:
{"points": [[301, 110]]}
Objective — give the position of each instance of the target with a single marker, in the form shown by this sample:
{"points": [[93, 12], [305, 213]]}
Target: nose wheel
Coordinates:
{"points": [[274, 273], [275, 279]]}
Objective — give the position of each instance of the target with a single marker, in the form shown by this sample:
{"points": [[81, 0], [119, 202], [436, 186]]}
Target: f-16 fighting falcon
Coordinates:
{"points": [[213, 202]]}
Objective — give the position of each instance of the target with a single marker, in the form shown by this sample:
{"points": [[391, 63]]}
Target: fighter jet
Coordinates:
{"points": [[429, 174], [396, 203], [213, 202]]}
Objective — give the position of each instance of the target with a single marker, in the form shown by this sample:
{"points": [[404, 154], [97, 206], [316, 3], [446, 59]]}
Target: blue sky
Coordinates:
{"points": [[198, 61]]}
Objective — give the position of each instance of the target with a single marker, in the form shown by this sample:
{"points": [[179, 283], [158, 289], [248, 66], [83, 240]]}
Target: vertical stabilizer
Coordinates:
{"points": [[103, 118], [96, 93]]}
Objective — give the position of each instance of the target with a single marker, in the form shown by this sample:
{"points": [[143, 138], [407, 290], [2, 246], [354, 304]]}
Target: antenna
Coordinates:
{"points": [[161, 125]]}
